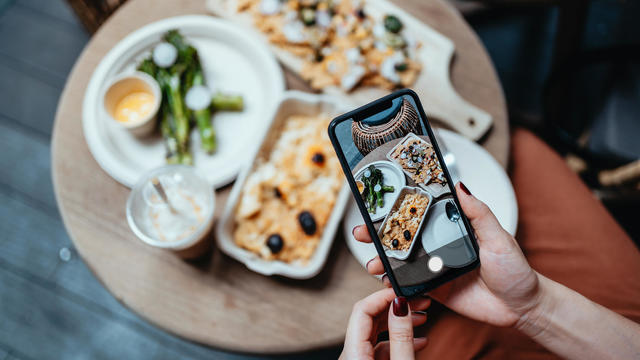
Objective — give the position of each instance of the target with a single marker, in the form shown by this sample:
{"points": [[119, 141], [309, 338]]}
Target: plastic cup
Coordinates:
{"points": [[184, 224]]}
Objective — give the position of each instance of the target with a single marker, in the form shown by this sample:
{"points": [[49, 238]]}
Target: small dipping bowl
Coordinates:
{"points": [[185, 225], [127, 84]]}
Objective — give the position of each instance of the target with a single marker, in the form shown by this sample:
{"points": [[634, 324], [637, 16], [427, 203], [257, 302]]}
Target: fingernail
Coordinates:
{"points": [[400, 306], [353, 232], [464, 188], [367, 265]]}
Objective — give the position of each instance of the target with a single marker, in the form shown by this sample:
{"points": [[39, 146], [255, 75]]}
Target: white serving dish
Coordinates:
{"points": [[292, 103], [234, 61], [436, 190], [401, 254], [393, 176]]}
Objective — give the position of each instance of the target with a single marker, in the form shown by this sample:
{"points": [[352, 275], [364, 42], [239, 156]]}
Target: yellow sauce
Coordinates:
{"points": [[134, 107]]}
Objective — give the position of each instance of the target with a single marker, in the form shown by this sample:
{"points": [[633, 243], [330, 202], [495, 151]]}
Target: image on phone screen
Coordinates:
{"points": [[405, 190]]}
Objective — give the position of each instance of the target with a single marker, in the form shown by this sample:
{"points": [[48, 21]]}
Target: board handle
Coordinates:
{"points": [[443, 103]]}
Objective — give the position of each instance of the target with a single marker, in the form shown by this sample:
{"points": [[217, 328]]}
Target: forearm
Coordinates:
{"points": [[575, 327]]}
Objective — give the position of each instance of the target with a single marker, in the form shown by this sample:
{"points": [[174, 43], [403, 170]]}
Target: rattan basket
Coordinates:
{"points": [[369, 137]]}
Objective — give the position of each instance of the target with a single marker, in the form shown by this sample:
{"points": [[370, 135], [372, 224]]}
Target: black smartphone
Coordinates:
{"points": [[404, 191]]}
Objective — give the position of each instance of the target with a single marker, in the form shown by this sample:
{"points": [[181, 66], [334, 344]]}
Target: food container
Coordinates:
{"points": [[126, 84], [292, 103], [435, 190], [158, 225], [404, 254]]}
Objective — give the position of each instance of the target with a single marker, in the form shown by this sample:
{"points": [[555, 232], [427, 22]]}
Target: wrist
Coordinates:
{"points": [[536, 320]]}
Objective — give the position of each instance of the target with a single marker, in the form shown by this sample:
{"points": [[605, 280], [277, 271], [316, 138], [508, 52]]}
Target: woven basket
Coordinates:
{"points": [[368, 137]]}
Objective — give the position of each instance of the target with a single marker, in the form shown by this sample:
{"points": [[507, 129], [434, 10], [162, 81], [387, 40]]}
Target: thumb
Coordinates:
{"points": [[482, 220], [400, 330]]}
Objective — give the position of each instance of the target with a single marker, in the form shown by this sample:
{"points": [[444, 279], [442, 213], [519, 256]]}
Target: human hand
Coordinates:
{"points": [[382, 311], [503, 290]]}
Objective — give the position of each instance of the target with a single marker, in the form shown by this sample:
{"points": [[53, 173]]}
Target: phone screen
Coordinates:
{"points": [[404, 192]]}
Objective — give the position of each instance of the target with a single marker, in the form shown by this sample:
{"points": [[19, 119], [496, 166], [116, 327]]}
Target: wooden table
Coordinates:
{"points": [[219, 302]]}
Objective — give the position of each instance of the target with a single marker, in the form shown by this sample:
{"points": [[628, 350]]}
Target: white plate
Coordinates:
{"points": [[393, 176], [439, 230], [293, 103], [480, 172], [234, 61]]}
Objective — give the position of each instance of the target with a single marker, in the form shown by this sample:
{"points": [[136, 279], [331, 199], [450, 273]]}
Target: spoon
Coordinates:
{"points": [[163, 195], [452, 212]]}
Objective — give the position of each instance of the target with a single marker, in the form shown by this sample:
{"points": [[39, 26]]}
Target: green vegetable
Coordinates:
{"points": [[203, 117], [174, 105], [401, 67], [308, 16], [225, 102], [374, 199], [392, 24], [394, 40], [175, 117]]}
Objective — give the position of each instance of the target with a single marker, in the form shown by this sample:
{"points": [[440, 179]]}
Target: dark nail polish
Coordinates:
{"points": [[464, 188], [400, 306]]}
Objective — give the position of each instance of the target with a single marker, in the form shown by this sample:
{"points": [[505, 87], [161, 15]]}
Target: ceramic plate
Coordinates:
{"points": [[393, 176], [234, 61]]}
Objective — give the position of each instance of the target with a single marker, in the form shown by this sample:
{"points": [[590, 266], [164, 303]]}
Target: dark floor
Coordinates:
{"points": [[52, 306]]}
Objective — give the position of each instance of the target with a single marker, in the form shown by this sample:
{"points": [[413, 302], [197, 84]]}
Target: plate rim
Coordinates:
{"points": [[92, 93]]}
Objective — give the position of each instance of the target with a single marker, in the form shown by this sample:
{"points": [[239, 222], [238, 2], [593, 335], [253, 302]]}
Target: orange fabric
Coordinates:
{"points": [[568, 236]]}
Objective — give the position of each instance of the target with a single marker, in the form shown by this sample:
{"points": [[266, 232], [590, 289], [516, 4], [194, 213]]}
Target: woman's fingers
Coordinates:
{"points": [[361, 233], [417, 319], [381, 351], [375, 267], [400, 330]]}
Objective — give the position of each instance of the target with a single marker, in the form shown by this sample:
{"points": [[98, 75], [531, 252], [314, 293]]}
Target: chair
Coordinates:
{"points": [[92, 13]]}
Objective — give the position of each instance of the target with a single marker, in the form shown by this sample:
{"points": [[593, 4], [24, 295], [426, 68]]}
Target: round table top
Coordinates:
{"points": [[218, 301]]}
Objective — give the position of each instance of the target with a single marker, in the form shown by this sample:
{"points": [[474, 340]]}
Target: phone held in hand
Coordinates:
{"points": [[404, 191]]}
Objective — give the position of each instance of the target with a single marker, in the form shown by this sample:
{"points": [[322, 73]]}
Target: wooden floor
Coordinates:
{"points": [[51, 306]]}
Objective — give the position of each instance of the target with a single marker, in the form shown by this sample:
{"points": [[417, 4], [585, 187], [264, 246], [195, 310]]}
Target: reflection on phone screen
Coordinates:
{"points": [[406, 193]]}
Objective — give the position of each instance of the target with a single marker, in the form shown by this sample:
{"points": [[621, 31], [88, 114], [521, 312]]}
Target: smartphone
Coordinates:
{"points": [[405, 193]]}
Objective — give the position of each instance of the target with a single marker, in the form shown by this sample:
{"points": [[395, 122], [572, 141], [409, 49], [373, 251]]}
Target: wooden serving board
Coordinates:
{"points": [[433, 85]]}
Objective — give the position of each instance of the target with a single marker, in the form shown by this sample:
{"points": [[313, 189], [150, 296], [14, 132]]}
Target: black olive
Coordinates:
{"points": [[407, 235], [307, 222], [277, 192], [410, 147], [395, 243], [360, 13], [319, 57], [413, 210], [275, 243], [318, 158]]}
